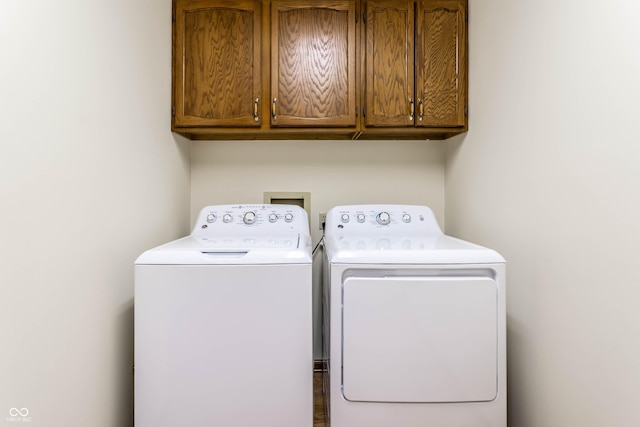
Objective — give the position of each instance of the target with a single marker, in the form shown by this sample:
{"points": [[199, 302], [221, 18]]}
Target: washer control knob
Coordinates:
{"points": [[227, 218], [211, 218], [406, 217], [344, 218], [273, 217], [288, 217], [361, 217], [249, 217], [383, 218]]}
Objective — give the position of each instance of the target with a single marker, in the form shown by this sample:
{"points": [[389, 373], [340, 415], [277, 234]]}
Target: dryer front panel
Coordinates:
{"points": [[419, 339]]}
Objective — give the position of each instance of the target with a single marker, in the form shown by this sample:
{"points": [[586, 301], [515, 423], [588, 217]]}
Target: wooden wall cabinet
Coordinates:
{"points": [[313, 64], [415, 67], [217, 68], [323, 69], [441, 63]]}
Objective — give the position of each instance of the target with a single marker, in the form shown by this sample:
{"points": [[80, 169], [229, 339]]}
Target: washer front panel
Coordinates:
{"points": [[223, 345], [420, 339]]}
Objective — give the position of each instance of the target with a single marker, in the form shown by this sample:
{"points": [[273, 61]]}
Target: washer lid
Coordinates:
{"points": [[231, 249]]}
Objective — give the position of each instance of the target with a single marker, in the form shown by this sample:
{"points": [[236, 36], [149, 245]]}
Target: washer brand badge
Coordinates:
{"points": [[19, 415]]}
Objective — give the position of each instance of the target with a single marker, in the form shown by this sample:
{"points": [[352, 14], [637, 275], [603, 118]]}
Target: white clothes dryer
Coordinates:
{"points": [[414, 322], [223, 333]]}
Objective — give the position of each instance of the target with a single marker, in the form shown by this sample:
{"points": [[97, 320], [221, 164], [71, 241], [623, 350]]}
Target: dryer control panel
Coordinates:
{"points": [[383, 219], [253, 219]]}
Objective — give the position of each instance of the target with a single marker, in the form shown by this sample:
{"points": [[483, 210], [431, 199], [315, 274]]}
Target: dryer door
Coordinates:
{"points": [[420, 339]]}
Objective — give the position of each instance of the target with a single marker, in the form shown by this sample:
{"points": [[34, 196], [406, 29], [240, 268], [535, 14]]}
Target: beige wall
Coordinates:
{"points": [[548, 175], [90, 176]]}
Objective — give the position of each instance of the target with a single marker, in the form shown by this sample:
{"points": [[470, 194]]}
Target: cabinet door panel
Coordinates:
{"points": [[217, 63], [313, 64], [389, 63], [441, 69]]}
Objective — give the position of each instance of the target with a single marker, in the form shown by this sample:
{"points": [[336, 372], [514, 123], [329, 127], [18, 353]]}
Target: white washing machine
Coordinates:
{"points": [[414, 322], [223, 333]]}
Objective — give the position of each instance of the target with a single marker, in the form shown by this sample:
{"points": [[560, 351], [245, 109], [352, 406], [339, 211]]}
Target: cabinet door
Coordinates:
{"points": [[313, 81], [389, 63], [441, 80], [217, 63]]}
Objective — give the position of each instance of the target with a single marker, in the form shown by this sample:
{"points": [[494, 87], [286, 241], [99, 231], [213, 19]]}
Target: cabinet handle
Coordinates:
{"points": [[413, 109], [273, 109], [420, 109], [255, 110]]}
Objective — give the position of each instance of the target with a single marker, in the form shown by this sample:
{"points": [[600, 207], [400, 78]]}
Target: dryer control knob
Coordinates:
{"points": [[227, 218], [211, 218], [273, 217], [361, 217], [288, 217], [249, 217], [344, 218], [406, 218], [383, 218]]}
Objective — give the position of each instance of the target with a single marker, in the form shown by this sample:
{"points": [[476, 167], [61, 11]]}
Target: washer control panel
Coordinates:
{"points": [[243, 219], [381, 219]]}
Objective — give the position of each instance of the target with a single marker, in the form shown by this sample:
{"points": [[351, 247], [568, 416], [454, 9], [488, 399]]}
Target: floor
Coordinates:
{"points": [[318, 401]]}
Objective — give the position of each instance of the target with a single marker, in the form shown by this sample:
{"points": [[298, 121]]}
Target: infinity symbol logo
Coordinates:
{"points": [[14, 412]]}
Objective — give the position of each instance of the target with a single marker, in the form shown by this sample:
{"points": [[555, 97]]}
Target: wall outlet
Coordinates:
{"points": [[322, 218]]}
